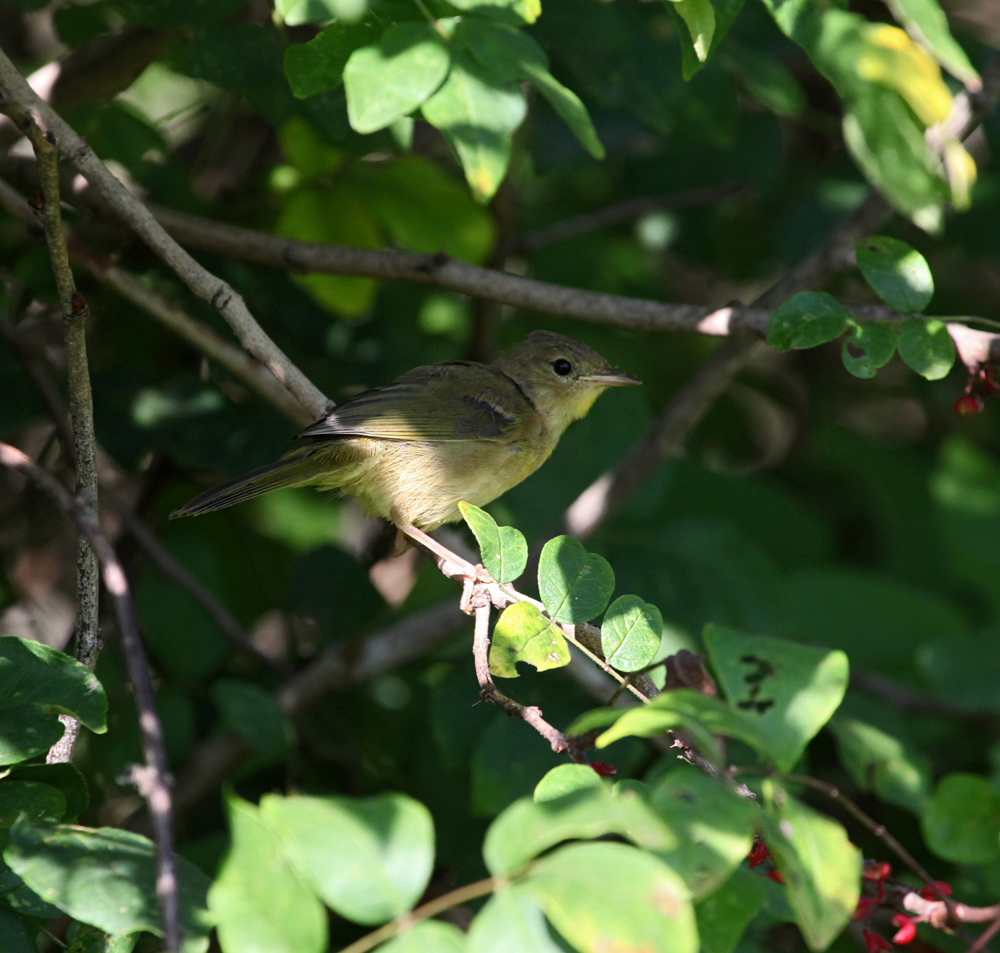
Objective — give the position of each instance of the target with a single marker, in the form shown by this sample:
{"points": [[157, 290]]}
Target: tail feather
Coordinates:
{"points": [[296, 471]]}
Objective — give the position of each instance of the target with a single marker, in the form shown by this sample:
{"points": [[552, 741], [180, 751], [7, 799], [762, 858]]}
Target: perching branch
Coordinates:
{"points": [[15, 90], [152, 778], [83, 452]]}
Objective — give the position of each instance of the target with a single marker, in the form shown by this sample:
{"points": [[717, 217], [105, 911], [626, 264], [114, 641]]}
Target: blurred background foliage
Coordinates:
{"points": [[860, 515]]}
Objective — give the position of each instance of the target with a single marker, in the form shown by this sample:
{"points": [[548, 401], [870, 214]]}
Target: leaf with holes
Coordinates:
{"points": [[869, 346], [523, 634]]}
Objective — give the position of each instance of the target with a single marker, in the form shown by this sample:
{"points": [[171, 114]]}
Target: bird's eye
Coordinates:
{"points": [[562, 367]]}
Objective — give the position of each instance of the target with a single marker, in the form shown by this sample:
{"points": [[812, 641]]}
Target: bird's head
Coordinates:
{"points": [[562, 377]]}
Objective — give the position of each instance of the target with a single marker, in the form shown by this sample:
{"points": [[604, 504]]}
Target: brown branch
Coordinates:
{"points": [[83, 452], [152, 778], [234, 359], [204, 284], [620, 212]]}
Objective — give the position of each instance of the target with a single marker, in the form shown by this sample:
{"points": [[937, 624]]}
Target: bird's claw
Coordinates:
{"points": [[474, 589]]}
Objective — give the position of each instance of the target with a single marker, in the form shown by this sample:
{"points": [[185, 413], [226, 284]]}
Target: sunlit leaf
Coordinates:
{"points": [[898, 273], [503, 548], [927, 347], [807, 319], [631, 633], [523, 634], [318, 65], [575, 585], [926, 22]]}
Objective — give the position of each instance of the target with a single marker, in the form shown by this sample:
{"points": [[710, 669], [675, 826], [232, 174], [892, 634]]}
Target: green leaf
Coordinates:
{"points": [[699, 15], [788, 690], [511, 922], [713, 824], [575, 585], [514, 55], [104, 877], [724, 915], [611, 896], [422, 208], [926, 22], [83, 938], [234, 57], [927, 347], [962, 821], [566, 779], [504, 549], [523, 634], [478, 115], [820, 866], [66, 778], [258, 901], [899, 273], [36, 684], [527, 828], [367, 858], [769, 81], [254, 714], [878, 762], [631, 633], [38, 802], [318, 65], [390, 79], [807, 319], [427, 936], [297, 12], [16, 936], [869, 346]]}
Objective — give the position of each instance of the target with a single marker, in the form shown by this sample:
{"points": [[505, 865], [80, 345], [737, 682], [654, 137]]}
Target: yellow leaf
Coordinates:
{"points": [[891, 58], [961, 169]]}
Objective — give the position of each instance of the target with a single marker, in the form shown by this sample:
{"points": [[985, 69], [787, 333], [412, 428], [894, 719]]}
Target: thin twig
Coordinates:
{"points": [[985, 936], [153, 777], [83, 451], [621, 212], [208, 287], [430, 909]]}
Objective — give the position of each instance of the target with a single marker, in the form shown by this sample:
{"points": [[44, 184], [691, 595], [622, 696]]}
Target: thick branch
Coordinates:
{"points": [[152, 778], [203, 283]]}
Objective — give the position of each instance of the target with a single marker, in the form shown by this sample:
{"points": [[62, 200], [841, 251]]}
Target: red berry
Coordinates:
{"points": [[758, 853], [968, 404], [929, 893], [907, 931], [604, 769], [864, 906], [876, 943], [775, 875]]}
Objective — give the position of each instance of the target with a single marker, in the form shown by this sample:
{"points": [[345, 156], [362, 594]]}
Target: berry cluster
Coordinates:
{"points": [[982, 384], [875, 873]]}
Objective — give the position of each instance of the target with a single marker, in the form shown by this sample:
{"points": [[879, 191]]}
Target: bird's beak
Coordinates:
{"points": [[612, 377]]}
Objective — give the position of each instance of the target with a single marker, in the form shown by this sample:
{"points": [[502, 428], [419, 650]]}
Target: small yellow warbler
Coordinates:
{"points": [[440, 434]]}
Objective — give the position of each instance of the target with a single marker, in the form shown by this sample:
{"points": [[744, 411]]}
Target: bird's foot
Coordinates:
{"points": [[471, 582], [454, 566]]}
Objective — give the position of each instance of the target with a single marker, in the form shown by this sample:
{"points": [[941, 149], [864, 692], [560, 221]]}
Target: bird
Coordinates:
{"points": [[439, 435]]}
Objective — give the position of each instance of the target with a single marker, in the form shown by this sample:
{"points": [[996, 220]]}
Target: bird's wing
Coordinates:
{"points": [[440, 402]]}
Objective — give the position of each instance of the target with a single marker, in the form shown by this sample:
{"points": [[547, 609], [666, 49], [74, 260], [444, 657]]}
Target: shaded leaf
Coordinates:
{"points": [[523, 634], [504, 549], [318, 65], [367, 858], [962, 821], [699, 16], [631, 633], [38, 802], [807, 319], [254, 714], [898, 273], [575, 585], [724, 915], [820, 866]]}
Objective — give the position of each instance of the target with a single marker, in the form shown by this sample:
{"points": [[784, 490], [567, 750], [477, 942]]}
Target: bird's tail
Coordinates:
{"points": [[290, 471]]}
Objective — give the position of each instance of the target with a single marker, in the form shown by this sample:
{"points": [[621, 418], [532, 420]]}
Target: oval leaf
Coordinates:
{"points": [[104, 877], [899, 274], [962, 822], [807, 319], [367, 858], [511, 922], [870, 346], [427, 936], [631, 633], [391, 78], [504, 550], [614, 897], [575, 585], [927, 347], [523, 634], [565, 779]]}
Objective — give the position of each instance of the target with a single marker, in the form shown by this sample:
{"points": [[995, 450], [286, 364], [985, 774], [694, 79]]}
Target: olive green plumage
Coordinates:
{"points": [[411, 451]]}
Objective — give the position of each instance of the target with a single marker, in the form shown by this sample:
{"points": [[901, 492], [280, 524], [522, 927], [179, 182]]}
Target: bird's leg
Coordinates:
{"points": [[451, 564]]}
